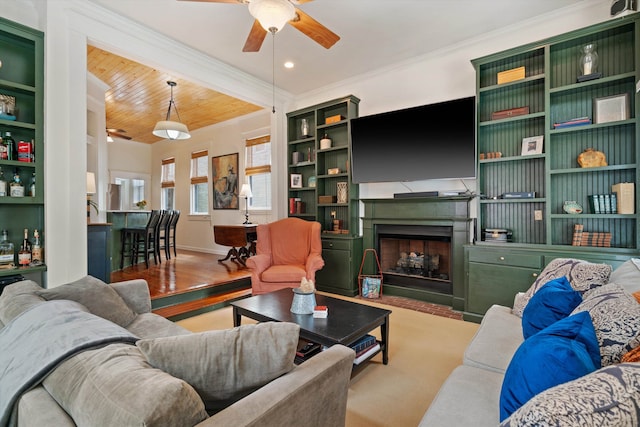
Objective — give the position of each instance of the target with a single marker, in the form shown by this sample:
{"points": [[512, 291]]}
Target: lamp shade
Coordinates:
{"points": [[91, 183], [171, 130], [245, 191], [272, 14]]}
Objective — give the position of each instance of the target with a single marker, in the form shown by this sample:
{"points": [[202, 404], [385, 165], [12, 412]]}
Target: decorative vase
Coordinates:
{"points": [[325, 142], [304, 127], [588, 60], [571, 207], [303, 302], [343, 192]]}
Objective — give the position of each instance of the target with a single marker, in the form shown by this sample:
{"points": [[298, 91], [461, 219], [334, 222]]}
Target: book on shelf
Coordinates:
{"points": [[577, 235], [594, 203], [579, 121], [363, 343], [366, 353]]}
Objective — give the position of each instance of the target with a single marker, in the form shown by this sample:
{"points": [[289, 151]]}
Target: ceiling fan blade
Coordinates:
{"points": [[255, 39], [300, 1], [313, 29], [118, 133], [219, 1]]}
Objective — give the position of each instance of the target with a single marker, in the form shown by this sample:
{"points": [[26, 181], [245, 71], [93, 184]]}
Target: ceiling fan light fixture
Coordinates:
{"points": [[272, 14], [168, 128]]}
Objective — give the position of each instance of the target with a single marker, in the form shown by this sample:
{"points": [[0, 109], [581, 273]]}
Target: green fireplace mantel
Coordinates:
{"points": [[435, 211]]}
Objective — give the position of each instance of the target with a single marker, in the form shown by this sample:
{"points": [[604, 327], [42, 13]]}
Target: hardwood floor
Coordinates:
{"points": [[190, 283]]}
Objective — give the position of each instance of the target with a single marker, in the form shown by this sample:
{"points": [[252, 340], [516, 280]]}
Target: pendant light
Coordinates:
{"points": [[169, 129]]}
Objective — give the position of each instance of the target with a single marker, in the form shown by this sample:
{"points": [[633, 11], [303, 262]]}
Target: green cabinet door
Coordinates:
{"points": [[341, 265]]}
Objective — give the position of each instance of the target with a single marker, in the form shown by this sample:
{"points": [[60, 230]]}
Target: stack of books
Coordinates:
{"points": [[578, 121], [585, 238], [306, 350], [603, 203], [364, 348]]}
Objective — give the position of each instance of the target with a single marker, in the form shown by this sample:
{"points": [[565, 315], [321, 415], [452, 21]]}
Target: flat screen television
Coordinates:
{"points": [[435, 141]]}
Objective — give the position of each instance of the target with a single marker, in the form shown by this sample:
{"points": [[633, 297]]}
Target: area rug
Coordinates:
{"points": [[423, 350]]}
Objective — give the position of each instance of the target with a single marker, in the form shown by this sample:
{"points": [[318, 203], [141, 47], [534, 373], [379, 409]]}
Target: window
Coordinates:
{"points": [[199, 182], [168, 184], [258, 171]]}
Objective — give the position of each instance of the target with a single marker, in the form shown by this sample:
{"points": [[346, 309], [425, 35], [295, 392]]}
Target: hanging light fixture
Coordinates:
{"points": [[272, 14], [169, 129]]}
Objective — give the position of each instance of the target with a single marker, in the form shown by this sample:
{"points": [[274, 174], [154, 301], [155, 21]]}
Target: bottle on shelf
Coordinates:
{"points": [[7, 252], [3, 184], [36, 249], [16, 189], [24, 255], [32, 186], [11, 146], [3, 149]]}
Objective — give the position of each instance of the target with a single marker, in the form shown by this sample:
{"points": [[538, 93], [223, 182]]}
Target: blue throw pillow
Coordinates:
{"points": [[554, 301], [562, 352]]}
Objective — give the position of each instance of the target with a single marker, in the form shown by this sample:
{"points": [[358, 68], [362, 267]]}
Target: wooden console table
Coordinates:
{"points": [[241, 238]]}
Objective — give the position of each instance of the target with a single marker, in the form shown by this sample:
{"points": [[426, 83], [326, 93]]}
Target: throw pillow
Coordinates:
{"points": [[100, 298], [554, 301], [115, 386], [631, 356], [582, 275], [616, 319], [224, 366], [627, 275], [606, 398], [564, 351], [636, 295]]}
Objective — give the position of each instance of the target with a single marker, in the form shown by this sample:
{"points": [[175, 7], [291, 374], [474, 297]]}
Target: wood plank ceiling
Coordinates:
{"points": [[139, 96]]}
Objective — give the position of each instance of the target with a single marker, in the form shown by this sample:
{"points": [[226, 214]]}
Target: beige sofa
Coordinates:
{"points": [[122, 384], [471, 393]]}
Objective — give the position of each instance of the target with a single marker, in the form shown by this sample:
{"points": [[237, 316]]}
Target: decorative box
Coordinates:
{"points": [[511, 75], [625, 195], [512, 112], [333, 119], [327, 199]]}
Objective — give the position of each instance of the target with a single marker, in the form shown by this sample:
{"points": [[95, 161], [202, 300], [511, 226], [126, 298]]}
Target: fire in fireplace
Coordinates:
{"points": [[416, 256]]}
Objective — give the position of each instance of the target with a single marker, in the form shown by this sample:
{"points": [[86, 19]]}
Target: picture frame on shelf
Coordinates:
{"points": [[296, 180], [611, 108], [532, 145], [225, 181]]}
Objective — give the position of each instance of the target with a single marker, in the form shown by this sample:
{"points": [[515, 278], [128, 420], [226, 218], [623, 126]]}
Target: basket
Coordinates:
{"points": [[370, 285]]}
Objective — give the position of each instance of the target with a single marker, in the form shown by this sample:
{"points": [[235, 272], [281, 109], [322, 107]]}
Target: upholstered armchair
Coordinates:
{"points": [[287, 250]]}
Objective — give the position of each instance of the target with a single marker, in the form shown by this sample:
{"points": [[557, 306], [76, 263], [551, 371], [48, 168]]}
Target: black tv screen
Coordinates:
{"points": [[435, 141]]}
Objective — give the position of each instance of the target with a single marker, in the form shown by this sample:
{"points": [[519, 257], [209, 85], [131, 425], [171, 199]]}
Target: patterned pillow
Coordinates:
{"points": [[608, 397], [616, 319], [582, 275]]}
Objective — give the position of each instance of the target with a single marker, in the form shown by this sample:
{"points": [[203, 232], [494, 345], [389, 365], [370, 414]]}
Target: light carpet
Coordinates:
{"points": [[423, 350]]}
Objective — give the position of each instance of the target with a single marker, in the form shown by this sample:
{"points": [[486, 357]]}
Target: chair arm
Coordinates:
{"points": [[135, 293], [258, 263], [315, 392], [314, 263]]}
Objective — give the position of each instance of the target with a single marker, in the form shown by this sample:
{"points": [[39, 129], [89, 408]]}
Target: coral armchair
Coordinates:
{"points": [[287, 250]]}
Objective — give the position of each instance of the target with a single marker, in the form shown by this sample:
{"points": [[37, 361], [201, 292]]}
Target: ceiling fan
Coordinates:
{"points": [[117, 133], [272, 15]]}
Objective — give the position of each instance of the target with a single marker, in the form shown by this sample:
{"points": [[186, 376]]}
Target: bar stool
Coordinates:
{"points": [[171, 236], [163, 233], [138, 241]]}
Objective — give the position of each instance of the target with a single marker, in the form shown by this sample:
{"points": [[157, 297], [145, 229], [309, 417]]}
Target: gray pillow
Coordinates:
{"points": [[100, 298], [582, 275], [115, 386], [616, 320], [606, 398], [224, 366], [627, 275], [18, 297]]}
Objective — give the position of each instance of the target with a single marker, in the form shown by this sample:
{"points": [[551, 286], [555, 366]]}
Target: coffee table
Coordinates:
{"points": [[347, 321]]}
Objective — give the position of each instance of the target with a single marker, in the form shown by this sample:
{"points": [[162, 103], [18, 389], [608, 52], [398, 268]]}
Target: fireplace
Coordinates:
{"points": [[420, 243], [415, 256]]}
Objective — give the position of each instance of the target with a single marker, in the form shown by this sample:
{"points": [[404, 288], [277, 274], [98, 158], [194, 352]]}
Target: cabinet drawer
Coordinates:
{"points": [[505, 258], [336, 244]]}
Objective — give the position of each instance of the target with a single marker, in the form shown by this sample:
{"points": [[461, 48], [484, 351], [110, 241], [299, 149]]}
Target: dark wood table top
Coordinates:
{"points": [[346, 323]]}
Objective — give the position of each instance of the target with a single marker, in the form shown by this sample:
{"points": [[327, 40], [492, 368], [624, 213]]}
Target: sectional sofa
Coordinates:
{"points": [[499, 362], [92, 354]]}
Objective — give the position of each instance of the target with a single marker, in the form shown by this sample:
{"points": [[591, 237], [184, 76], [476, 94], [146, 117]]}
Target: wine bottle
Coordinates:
{"points": [[24, 255], [3, 184], [7, 252], [36, 249]]}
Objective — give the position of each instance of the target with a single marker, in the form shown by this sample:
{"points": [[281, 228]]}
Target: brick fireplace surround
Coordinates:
{"points": [[424, 211]]}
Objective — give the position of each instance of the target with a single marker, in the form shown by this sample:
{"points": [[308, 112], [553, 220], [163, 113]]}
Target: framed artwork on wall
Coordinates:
{"points": [[225, 181]]}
